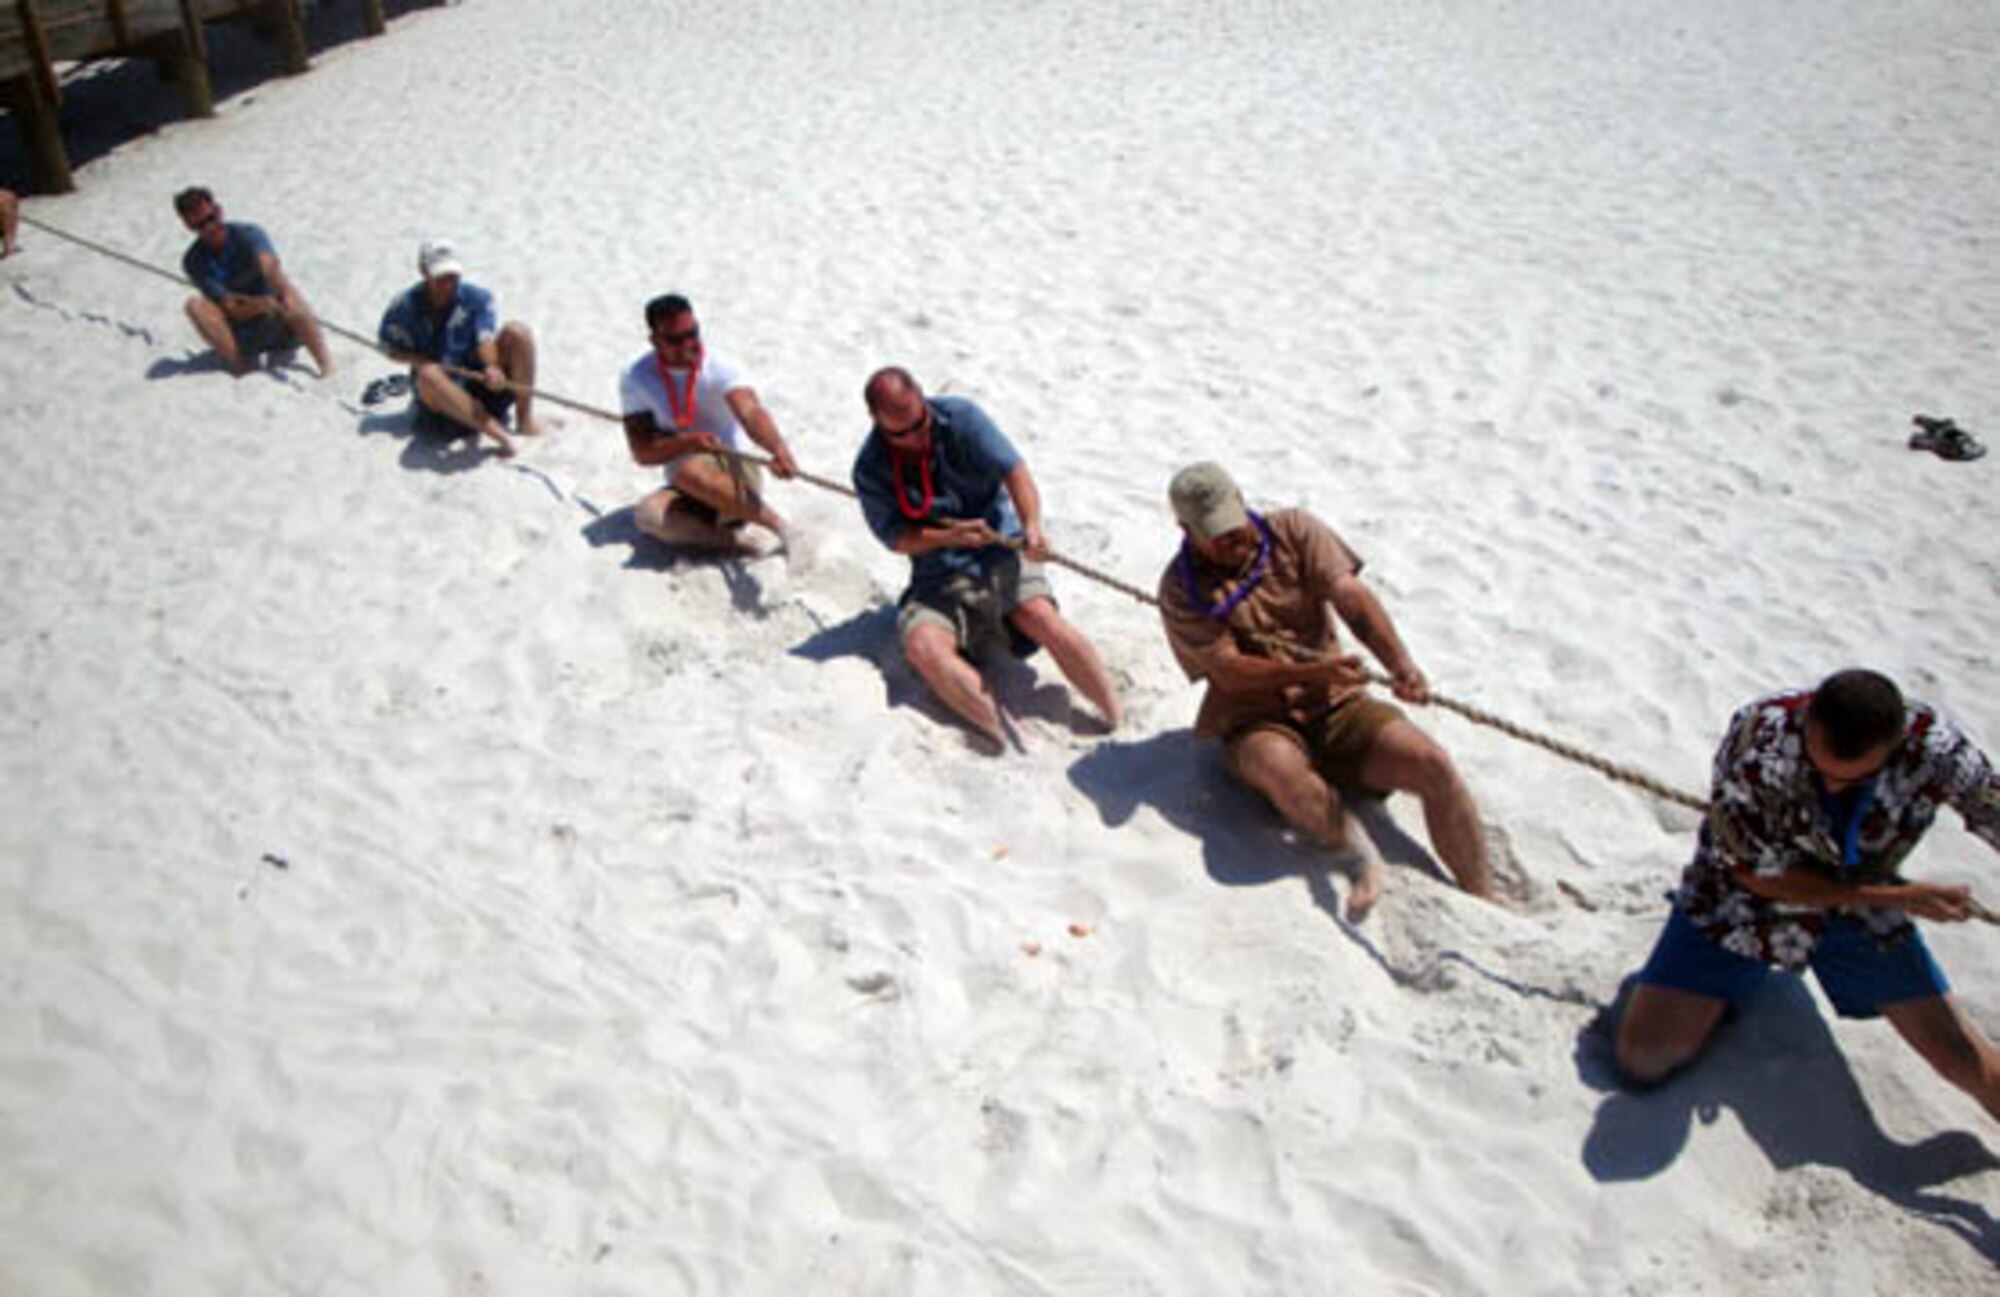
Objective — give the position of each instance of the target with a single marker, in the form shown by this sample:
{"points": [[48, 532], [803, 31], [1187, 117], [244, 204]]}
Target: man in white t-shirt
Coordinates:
{"points": [[685, 408]]}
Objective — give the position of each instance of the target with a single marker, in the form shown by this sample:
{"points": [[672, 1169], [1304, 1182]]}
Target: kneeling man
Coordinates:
{"points": [[1819, 797]]}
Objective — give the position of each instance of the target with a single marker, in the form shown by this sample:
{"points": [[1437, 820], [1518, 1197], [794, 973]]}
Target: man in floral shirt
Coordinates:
{"points": [[1819, 797]]}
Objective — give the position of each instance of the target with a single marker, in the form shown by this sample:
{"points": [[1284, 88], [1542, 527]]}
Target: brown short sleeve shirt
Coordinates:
{"points": [[1292, 600]]}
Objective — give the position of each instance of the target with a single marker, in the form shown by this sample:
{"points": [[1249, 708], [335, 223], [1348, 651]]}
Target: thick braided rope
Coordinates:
{"points": [[1477, 715], [1609, 769]]}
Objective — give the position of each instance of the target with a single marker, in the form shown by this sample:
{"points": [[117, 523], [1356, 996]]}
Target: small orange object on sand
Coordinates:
{"points": [[1079, 929]]}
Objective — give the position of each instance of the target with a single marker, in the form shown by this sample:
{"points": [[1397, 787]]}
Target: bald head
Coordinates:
{"points": [[891, 386], [897, 405]]}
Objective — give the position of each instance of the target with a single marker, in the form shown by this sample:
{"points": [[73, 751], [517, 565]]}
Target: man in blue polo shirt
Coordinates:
{"points": [[943, 485], [468, 368], [246, 306]]}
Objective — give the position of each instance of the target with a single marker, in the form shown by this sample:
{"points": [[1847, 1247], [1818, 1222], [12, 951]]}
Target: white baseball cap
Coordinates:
{"points": [[439, 257]]}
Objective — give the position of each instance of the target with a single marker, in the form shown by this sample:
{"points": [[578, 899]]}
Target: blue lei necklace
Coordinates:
{"points": [[1258, 570]]}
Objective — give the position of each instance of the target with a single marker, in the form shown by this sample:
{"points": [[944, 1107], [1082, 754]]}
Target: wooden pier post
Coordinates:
{"points": [[37, 103], [284, 17], [41, 133], [186, 60], [372, 22]]}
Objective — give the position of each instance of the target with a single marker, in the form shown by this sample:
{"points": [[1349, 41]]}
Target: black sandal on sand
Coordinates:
{"points": [[1945, 439], [383, 389]]}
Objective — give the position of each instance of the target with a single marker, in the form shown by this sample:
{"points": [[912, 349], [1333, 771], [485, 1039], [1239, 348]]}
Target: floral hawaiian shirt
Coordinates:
{"points": [[1767, 814]]}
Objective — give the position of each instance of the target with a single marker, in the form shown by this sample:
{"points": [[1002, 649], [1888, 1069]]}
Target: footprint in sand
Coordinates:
{"points": [[1512, 884]]}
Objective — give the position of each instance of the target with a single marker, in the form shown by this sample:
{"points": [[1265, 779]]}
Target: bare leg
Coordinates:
{"points": [[702, 479], [299, 318], [437, 392], [1939, 1030], [933, 651], [10, 222], [213, 326], [1406, 759], [657, 517], [1275, 765], [517, 361], [1663, 1029], [1040, 621]]}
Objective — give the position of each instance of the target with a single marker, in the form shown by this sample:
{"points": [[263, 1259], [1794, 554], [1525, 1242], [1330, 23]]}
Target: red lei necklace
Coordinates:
{"points": [[681, 406], [897, 461]]}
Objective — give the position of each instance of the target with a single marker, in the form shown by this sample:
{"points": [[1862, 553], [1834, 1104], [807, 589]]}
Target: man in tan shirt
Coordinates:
{"points": [[1249, 605]]}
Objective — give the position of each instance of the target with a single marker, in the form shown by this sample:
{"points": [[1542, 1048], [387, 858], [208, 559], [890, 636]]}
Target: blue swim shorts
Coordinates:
{"points": [[1859, 976]]}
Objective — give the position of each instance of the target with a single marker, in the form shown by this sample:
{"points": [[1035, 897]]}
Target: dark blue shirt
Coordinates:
{"points": [[969, 462], [234, 269], [411, 325]]}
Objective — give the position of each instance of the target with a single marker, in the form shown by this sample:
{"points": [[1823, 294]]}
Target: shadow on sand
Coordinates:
{"points": [[1020, 691], [450, 453], [1244, 842], [616, 528], [1777, 1067]]}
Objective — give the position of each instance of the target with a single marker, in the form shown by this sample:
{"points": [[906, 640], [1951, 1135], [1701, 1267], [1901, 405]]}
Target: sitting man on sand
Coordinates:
{"points": [[683, 407], [1819, 798], [1246, 608], [468, 368], [10, 222], [247, 306], [940, 483]]}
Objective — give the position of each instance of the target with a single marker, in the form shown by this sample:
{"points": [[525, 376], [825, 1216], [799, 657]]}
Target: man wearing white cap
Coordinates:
{"points": [[468, 368], [1247, 606]]}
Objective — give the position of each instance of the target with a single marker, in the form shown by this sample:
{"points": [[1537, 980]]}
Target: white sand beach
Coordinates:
{"points": [[413, 882]]}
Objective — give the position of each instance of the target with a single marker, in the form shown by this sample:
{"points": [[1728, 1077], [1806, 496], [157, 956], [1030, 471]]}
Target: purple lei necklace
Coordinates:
{"points": [[1220, 611]]}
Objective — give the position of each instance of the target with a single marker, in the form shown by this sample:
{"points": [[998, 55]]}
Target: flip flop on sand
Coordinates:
{"points": [[383, 389], [1944, 438]]}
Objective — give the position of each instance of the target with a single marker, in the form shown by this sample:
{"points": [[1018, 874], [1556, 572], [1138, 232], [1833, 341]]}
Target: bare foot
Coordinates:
{"points": [[1365, 869], [527, 427], [502, 442], [755, 542]]}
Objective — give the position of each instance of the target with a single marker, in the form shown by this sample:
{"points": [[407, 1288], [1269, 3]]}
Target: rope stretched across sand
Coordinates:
{"points": [[1472, 712]]}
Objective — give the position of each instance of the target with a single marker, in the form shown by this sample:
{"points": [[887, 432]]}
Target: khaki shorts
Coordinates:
{"points": [[749, 475], [1337, 742], [972, 609]]}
